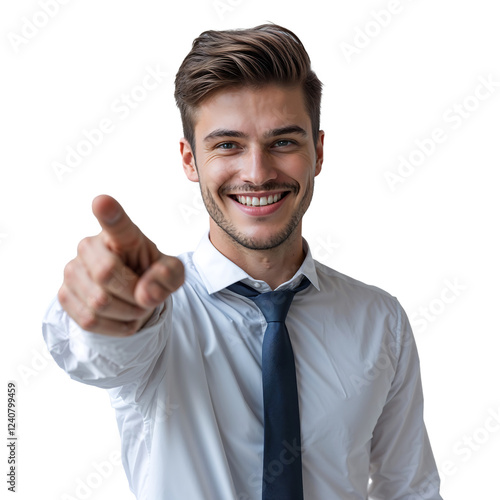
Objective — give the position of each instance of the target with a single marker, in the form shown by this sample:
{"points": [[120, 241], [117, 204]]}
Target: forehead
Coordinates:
{"points": [[252, 110]]}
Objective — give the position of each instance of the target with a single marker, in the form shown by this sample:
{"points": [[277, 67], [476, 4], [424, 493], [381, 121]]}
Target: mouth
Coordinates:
{"points": [[259, 201]]}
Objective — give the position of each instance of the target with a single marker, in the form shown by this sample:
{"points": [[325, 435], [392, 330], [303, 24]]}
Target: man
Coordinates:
{"points": [[216, 397]]}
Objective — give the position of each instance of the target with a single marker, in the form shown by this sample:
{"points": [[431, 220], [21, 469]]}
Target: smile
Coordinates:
{"points": [[254, 201]]}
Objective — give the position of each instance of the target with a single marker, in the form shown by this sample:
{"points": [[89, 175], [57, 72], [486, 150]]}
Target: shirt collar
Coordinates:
{"points": [[218, 272]]}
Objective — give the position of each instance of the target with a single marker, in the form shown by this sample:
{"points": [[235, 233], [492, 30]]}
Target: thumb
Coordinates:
{"points": [[162, 278], [114, 221]]}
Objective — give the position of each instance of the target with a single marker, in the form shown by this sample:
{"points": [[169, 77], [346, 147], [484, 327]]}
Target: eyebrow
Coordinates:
{"points": [[222, 132]]}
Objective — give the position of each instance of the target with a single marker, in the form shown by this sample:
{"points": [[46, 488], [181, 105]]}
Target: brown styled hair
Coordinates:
{"points": [[233, 58]]}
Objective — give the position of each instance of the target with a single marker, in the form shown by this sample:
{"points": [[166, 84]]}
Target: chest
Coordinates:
{"points": [[344, 365]]}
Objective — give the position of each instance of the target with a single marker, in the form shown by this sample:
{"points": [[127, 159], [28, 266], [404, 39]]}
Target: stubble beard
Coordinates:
{"points": [[250, 243]]}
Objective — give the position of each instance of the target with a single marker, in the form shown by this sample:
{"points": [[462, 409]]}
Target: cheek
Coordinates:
{"points": [[300, 159], [216, 172], [300, 167]]}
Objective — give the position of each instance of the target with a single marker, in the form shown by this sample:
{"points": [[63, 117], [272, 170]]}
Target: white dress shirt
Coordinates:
{"points": [[187, 388]]}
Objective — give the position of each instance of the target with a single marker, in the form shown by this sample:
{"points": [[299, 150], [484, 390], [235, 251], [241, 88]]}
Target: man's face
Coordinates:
{"points": [[256, 163]]}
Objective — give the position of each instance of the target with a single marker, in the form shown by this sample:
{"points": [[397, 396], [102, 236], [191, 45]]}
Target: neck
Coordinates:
{"points": [[274, 265]]}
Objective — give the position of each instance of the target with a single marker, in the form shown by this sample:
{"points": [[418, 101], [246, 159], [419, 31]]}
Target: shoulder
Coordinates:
{"points": [[332, 278], [353, 293], [361, 306]]}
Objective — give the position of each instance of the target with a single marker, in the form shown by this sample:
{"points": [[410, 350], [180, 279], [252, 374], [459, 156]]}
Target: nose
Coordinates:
{"points": [[257, 167]]}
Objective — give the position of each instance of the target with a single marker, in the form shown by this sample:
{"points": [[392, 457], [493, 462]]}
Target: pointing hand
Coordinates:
{"points": [[118, 277]]}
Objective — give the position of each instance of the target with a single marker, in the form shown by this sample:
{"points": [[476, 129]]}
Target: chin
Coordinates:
{"points": [[262, 240]]}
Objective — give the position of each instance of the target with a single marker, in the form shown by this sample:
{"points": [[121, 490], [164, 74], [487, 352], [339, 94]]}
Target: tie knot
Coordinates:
{"points": [[274, 305]]}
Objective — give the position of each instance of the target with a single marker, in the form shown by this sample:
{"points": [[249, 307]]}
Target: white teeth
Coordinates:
{"points": [[253, 201]]}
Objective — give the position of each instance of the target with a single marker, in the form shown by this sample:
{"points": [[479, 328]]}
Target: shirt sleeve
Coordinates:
{"points": [[402, 465], [101, 360]]}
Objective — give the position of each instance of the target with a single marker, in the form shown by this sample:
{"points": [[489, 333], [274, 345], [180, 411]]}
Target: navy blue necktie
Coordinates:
{"points": [[282, 464]]}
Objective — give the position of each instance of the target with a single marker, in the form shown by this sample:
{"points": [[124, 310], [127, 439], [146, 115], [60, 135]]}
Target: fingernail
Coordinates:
{"points": [[112, 218]]}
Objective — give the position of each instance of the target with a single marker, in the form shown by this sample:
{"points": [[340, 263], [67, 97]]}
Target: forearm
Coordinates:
{"points": [[103, 360]]}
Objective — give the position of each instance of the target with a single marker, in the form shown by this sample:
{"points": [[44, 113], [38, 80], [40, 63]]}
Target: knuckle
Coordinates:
{"points": [[69, 270], [153, 248], [99, 301], [87, 319], [63, 296], [105, 272], [83, 245]]}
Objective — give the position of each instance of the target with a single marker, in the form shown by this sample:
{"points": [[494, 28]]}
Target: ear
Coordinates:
{"points": [[188, 161], [319, 152]]}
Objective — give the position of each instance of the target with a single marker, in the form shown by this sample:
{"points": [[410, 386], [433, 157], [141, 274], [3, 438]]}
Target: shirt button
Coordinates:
{"points": [[256, 285]]}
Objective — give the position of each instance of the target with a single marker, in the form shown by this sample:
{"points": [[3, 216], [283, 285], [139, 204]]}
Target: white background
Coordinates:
{"points": [[439, 224]]}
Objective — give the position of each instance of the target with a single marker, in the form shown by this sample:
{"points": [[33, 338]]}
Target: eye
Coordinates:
{"points": [[225, 145], [283, 142]]}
